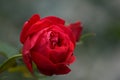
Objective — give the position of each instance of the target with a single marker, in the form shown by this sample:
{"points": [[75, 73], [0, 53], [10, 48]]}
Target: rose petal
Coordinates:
{"points": [[26, 55], [62, 69], [68, 32], [40, 25], [27, 46], [44, 65], [71, 59], [76, 29], [41, 43], [58, 55], [55, 20], [28, 62], [27, 26]]}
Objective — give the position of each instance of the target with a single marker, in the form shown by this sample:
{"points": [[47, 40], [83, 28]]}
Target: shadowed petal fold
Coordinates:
{"points": [[44, 65], [62, 69]]}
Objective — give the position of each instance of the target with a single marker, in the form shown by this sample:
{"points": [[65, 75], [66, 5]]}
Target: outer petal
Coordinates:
{"points": [[76, 29], [28, 62], [27, 26], [40, 25], [26, 55], [71, 59], [58, 55], [44, 65], [28, 45], [55, 20], [62, 69]]}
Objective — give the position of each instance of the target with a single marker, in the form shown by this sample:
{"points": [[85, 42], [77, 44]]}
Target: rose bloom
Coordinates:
{"points": [[49, 43]]}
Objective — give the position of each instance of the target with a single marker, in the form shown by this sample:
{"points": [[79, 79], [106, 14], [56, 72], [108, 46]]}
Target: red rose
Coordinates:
{"points": [[49, 44]]}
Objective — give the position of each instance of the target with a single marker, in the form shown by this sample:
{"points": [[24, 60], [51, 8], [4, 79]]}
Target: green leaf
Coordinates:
{"points": [[85, 36], [10, 62]]}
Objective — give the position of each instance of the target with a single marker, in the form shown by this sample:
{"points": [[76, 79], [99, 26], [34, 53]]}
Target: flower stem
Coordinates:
{"points": [[9, 62]]}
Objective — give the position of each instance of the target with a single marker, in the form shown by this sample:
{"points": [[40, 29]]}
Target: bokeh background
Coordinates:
{"points": [[98, 58]]}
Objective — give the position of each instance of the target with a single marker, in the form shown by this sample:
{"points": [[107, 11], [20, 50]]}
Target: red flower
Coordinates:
{"points": [[49, 44]]}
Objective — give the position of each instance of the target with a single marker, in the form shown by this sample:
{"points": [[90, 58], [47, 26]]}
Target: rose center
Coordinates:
{"points": [[54, 39]]}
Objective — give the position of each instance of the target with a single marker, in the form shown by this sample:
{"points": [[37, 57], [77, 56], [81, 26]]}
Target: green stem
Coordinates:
{"points": [[9, 62]]}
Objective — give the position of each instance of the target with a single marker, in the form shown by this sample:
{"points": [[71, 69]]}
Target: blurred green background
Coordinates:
{"points": [[98, 58]]}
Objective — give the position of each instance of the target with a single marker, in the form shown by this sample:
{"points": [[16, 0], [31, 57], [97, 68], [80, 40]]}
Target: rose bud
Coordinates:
{"points": [[49, 43]]}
